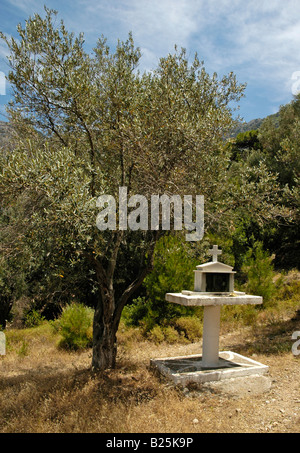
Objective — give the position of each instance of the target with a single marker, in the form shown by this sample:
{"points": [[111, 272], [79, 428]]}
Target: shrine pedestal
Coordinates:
{"points": [[213, 287], [212, 365], [211, 332]]}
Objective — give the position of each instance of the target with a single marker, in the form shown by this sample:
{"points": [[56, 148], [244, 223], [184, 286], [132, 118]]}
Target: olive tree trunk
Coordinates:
{"points": [[108, 311], [104, 333]]}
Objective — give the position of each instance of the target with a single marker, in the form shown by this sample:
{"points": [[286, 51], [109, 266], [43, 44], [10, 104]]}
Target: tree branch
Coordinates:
{"points": [[130, 290]]}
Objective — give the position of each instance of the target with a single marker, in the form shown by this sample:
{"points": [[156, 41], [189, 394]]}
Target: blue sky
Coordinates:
{"points": [[258, 40]]}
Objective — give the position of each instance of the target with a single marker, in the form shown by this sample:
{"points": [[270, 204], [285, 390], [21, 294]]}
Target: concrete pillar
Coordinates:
{"points": [[211, 332]]}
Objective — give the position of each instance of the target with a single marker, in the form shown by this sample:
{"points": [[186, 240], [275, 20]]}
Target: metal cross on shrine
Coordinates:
{"points": [[214, 252]]}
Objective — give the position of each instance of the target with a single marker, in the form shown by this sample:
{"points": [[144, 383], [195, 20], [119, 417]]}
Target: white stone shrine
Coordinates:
{"points": [[213, 287]]}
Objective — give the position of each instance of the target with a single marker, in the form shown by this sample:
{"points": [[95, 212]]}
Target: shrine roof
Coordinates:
{"points": [[215, 266]]}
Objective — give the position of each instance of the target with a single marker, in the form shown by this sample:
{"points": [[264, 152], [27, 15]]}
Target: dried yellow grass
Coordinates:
{"points": [[47, 390]]}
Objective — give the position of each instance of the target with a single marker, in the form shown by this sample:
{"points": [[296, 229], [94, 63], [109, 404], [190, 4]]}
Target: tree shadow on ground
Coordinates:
{"points": [[121, 384]]}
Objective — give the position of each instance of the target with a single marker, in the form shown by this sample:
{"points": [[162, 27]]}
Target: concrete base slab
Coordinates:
{"points": [[238, 387], [188, 369]]}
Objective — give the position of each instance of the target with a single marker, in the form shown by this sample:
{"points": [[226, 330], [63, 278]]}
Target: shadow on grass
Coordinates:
{"points": [[120, 385]]}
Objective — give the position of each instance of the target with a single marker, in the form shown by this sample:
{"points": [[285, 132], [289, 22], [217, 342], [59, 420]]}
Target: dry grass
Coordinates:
{"points": [[48, 390], [44, 389]]}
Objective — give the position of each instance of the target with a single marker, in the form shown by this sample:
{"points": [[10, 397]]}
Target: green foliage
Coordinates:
{"points": [[282, 155], [156, 334], [260, 273], [33, 318], [244, 144], [16, 260], [225, 242], [23, 351], [167, 334], [239, 315], [185, 329], [173, 268], [281, 143], [190, 327], [86, 125], [133, 314], [75, 327]]}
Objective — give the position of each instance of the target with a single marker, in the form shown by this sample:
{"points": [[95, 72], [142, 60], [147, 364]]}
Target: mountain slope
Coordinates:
{"points": [[253, 124]]}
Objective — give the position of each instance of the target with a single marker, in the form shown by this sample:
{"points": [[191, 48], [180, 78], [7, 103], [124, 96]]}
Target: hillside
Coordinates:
{"points": [[252, 124]]}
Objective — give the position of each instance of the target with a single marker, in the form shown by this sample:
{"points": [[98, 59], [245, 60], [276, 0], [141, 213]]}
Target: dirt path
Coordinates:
{"points": [[269, 403]]}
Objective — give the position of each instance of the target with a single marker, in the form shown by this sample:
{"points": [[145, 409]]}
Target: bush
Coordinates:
{"points": [[189, 326], [171, 335], [260, 273], [289, 287], [168, 334], [234, 315], [156, 334], [76, 327], [132, 314], [173, 267], [184, 329], [33, 318]]}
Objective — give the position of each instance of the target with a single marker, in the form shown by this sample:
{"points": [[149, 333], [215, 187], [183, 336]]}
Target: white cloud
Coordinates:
{"points": [[266, 35], [28, 6], [157, 25], [226, 33], [258, 40]]}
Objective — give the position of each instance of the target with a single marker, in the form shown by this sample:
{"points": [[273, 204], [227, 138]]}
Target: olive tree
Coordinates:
{"points": [[86, 125]]}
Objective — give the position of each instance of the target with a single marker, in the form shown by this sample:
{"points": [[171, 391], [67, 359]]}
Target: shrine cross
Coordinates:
{"points": [[214, 252]]}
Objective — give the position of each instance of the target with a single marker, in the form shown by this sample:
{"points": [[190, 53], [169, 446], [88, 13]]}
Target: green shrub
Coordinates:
{"points": [[75, 327], [156, 334], [183, 329], [239, 314], [173, 267], [33, 318], [289, 289], [132, 314], [169, 334], [260, 274], [189, 326]]}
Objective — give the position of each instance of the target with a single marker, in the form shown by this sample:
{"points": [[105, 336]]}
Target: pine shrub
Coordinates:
{"points": [[260, 274], [75, 327]]}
